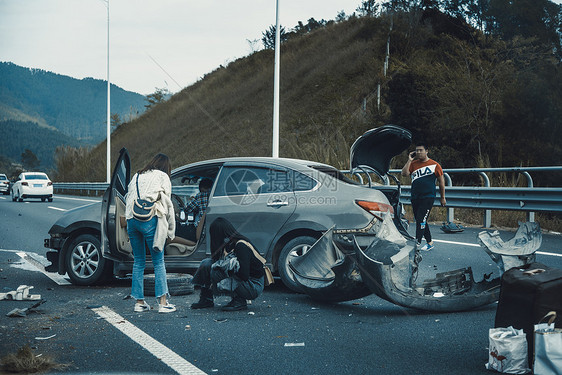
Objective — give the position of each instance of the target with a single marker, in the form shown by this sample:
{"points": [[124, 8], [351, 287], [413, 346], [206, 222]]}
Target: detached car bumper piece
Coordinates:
{"points": [[388, 267]]}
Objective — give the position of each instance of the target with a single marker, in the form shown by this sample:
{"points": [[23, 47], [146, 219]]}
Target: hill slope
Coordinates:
{"points": [[76, 108], [463, 92]]}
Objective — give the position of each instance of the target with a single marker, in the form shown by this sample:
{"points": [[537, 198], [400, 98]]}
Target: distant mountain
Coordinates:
{"points": [[76, 108], [41, 110], [42, 141]]}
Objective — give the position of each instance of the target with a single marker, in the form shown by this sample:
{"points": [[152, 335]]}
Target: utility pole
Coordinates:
{"points": [[275, 145], [108, 175]]}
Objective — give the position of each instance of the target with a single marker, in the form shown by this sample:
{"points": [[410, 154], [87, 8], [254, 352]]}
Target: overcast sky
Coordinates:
{"points": [[187, 38]]}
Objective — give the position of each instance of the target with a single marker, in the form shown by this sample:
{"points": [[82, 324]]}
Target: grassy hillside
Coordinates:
{"points": [[76, 108], [463, 92]]}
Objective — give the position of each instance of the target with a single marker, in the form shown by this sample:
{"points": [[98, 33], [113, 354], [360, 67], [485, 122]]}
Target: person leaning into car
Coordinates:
{"points": [[153, 185], [423, 171], [245, 273]]}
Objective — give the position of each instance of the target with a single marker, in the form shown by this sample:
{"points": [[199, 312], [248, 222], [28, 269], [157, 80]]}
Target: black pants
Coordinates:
{"points": [[422, 208], [207, 277]]}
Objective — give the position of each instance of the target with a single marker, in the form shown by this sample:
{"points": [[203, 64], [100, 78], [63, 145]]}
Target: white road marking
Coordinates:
{"points": [[78, 199], [163, 353], [457, 243], [59, 279], [476, 245], [56, 208]]}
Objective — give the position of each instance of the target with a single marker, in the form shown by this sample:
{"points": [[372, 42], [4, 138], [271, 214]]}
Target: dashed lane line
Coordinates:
{"points": [[57, 208], [59, 279], [163, 353]]}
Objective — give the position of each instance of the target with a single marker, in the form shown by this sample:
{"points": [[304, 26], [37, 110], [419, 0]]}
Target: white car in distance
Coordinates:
{"points": [[32, 185]]}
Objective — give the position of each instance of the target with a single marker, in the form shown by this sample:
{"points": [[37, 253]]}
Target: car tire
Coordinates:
{"points": [[84, 262], [14, 197], [42, 199], [294, 248], [179, 284], [50, 199]]}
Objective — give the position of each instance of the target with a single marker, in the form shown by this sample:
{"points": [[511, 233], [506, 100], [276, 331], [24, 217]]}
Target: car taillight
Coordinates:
{"points": [[24, 183], [376, 208], [49, 183]]}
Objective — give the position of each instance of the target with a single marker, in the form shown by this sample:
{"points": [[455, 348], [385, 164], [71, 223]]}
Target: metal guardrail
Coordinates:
{"points": [[529, 199]]}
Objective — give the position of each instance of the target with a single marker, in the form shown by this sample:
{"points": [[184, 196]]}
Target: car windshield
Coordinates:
{"points": [[36, 177], [333, 172]]}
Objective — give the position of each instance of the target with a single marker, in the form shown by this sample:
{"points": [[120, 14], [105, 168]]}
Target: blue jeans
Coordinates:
{"points": [[141, 233]]}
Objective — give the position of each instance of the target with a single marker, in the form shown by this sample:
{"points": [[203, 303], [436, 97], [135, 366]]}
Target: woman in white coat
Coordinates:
{"points": [[154, 185]]}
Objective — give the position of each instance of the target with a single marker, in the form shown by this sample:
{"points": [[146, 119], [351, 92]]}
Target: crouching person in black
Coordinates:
{"points": [[232, 266]]}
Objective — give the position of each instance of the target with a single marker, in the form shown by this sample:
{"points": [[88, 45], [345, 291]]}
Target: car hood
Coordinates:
{"points": [[378, 146], [85, 216]]}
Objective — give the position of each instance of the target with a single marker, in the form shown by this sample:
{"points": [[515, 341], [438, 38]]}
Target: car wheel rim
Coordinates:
{"points": [[296, 252], [85, 259]]}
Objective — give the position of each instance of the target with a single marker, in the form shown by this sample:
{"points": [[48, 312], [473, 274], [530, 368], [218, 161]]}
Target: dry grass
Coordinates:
{"points": [[26, 362]]}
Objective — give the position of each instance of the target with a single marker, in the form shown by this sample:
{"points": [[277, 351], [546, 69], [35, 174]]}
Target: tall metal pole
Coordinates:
{"points": [[108, 175], [275, 146]]}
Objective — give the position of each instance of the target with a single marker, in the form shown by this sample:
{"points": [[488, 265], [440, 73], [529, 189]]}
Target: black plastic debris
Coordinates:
{"points": [[449, 227], [15, 313]]}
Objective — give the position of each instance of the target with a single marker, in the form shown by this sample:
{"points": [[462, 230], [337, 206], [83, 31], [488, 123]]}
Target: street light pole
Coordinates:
{"points": [[275, 145], [108, 175]]}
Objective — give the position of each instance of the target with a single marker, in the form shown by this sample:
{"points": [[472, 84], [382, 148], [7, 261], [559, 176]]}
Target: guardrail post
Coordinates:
{"points": [[530, 215], [487, 213], [450, 210]]}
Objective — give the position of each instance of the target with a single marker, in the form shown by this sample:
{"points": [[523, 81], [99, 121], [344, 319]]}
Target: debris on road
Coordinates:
{"points": [[20, 294], [15, 313]]}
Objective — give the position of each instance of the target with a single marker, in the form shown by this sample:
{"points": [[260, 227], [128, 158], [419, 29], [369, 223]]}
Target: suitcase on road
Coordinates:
{"points": [[527, 294]]}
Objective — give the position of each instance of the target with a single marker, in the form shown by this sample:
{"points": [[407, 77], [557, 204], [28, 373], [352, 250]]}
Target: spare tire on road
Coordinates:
{"points": [[179, 284]]}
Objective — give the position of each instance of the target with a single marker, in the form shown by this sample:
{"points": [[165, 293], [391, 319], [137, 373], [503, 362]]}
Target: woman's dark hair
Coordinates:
{"points": [[160, 162], [223, 235]]}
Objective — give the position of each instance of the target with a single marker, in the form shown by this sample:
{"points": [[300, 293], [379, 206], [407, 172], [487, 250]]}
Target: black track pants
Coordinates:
{"points": [[422, 208]]}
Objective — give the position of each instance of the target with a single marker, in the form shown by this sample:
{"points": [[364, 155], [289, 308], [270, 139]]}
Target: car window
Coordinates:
{"points": [[36, 177], [333, 172], [3, 177], [186, 183], [237, 180], [302, 182]]}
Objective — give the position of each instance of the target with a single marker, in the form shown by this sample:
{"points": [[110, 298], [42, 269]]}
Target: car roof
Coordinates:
{"points": [[285, 162]]}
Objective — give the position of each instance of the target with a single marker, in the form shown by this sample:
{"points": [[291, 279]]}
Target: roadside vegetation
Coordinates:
{"points": [[479, 81]]}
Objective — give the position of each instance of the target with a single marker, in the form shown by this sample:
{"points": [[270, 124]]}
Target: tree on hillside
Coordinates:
{"points": [[368, 8], [268, 37], [540, 19], [29, 160], [158, 96], [115, 121]]}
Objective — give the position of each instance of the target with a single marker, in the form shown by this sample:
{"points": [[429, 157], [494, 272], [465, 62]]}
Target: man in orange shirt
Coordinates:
{"points": [[423, 171]]}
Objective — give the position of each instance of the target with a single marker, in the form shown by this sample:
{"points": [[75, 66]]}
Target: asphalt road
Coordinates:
{"points": [[93, 330]]}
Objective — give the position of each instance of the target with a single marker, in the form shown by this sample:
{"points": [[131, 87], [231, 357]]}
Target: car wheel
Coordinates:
{"points": [[13, 197], [179, 284], [297, 247], [84, 261], [42, 199], [50, 199]]}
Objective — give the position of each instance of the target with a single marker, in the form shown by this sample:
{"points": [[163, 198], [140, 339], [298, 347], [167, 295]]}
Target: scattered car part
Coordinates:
{"points": [[388, 267]]}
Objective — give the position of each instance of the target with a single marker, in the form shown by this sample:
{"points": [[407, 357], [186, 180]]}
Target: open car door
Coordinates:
{"points": [[114, 240]]}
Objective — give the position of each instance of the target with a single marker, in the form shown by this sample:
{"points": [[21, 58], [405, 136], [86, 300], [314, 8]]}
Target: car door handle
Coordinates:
{"points": [[277, 203]]}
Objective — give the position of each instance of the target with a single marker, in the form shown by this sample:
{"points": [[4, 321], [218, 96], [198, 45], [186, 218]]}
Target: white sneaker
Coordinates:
{"points": [[427, 247], [167, 308], [141, 307]]}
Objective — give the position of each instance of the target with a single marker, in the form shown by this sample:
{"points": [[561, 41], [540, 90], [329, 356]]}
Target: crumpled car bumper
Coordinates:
{"points": [[335, 270]]}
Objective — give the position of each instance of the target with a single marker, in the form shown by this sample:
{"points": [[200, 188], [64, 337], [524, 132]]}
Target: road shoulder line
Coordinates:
{"points": [[163, 353]]}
